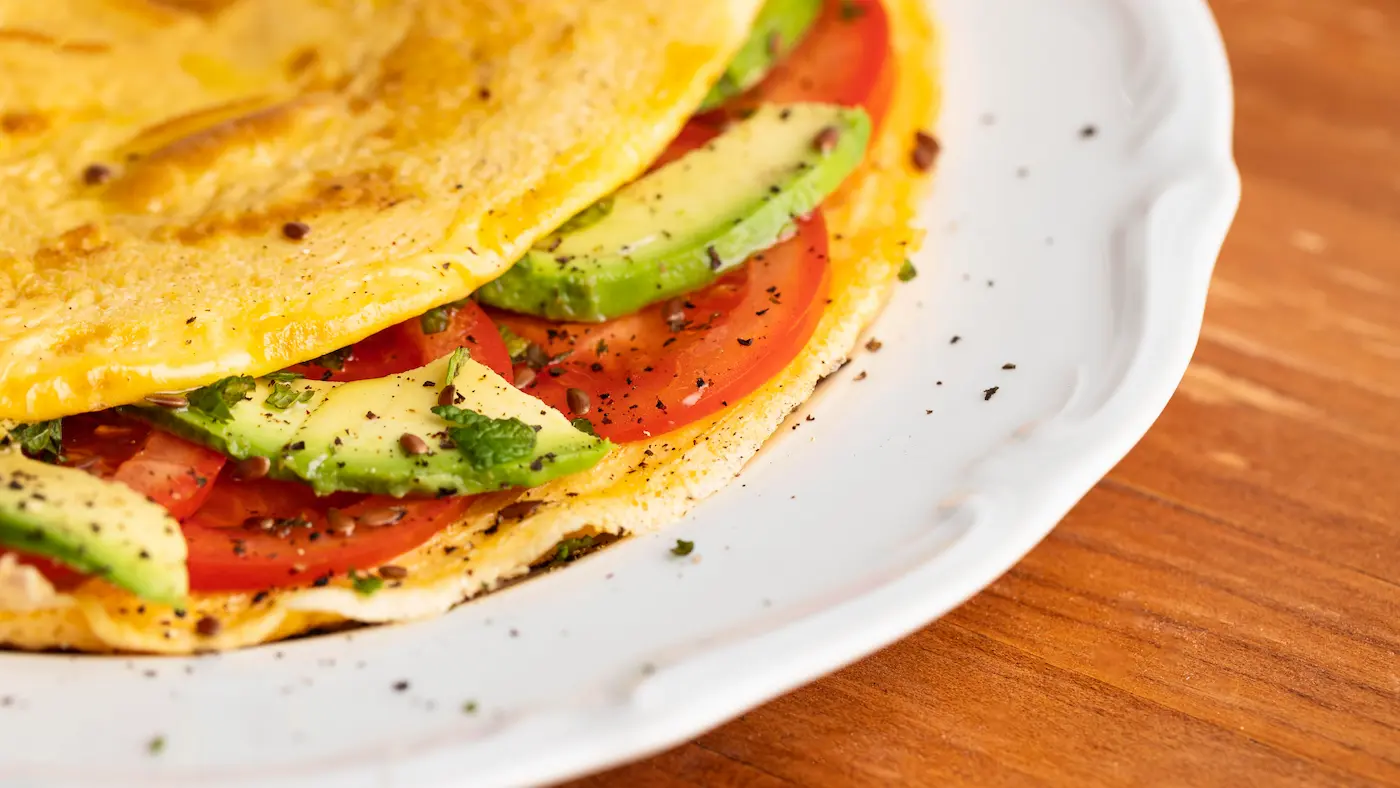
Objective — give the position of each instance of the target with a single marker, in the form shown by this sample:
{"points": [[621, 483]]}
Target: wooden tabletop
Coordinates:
{"points": [[1224, 608]]}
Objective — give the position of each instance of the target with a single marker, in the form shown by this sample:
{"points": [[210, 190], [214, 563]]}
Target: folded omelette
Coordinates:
{"points": [[320, 313]]}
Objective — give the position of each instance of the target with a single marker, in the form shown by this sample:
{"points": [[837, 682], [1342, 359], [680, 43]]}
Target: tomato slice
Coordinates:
{"points": [[231, 556], [172, 472], [468, 326], [405, 346], [643, 378], [844, 59]]}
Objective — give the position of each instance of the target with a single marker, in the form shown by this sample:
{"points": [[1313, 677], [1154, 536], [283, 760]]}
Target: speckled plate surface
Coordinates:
{"points": [[1084, 191]]}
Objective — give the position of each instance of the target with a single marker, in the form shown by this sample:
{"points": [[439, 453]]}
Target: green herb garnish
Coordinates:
{"points": [[907, 271], [485, 441], [156, 745], [42, 440], [217, 399], [570, 549], [469, 707], [334, 360], [437, 319], [583, 425], [683, 548], [516, 345], [365, 584], [284, 377], [454, 362], [282, 396]]}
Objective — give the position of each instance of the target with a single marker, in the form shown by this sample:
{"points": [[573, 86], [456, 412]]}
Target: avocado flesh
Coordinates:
{"points": [[780, 26], [97, 527], [680, 227], [347, 437]]}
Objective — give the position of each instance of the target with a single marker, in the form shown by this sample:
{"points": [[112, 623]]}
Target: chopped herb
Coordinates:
{"points": [[570, 549], [217, 399], [284, 377], [516, 345], [437, 319], [602, 347], [907, 271], [365, 584], [583, 425], [334, 360], [42, 440], [469, 707], [485, 441], [454, 362], [683, 548], [283, 396], [587, 217], [156, 745]]}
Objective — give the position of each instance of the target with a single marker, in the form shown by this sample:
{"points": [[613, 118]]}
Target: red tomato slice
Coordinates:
{"points": [[404, 346], [644, 379], [226, 556], [173, 472], [468, 327], [845, 59]]}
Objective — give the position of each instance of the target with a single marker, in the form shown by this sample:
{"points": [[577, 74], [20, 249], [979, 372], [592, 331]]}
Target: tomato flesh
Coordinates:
{"points": [[232, 556], [844, 59], [405, 346], [642, 378]]}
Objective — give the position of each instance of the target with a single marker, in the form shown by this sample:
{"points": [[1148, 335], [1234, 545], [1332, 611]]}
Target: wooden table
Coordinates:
{"points": [[1224, 608]]}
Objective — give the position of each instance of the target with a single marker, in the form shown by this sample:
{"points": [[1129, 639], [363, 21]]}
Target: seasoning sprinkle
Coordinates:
{"points": [[925, 152], [168, 400], [392, 572], [987, 393], [412, 444], [683, 548], [715, 262], [746, 342], [1008, 366], [874, 345], [826, 139], [387, 515], [208, 626], [295, 231], [578, 401], [251, 468]]}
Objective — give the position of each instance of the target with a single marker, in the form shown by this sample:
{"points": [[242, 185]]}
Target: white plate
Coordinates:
{"points": [[1089, 273]]}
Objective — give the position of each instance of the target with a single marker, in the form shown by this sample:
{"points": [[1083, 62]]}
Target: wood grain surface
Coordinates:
{"points": [[1224, 608]]}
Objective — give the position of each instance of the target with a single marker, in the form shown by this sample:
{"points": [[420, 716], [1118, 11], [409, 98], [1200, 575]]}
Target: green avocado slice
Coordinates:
{"points": [[680, 227], [391, 435], [97, 527], [780, 27]]}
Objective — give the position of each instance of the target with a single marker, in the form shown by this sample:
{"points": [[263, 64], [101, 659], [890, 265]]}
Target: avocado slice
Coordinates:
{"points": [[350, 437], [95, 526], [677, 229], [780, 27]]}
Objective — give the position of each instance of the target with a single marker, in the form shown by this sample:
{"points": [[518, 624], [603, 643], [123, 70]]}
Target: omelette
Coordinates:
{"points": [[317, 314]]}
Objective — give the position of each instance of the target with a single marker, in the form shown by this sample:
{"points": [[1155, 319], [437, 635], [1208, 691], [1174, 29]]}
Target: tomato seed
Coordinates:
{"points": [[826, 139], [448, 396], [340, 522], [578, 401], [252, 468], [168, 400], [412, 444], [374, 518]]}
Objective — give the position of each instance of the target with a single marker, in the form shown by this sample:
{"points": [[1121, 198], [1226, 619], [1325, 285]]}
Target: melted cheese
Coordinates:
{"points": [[153, 150]]}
